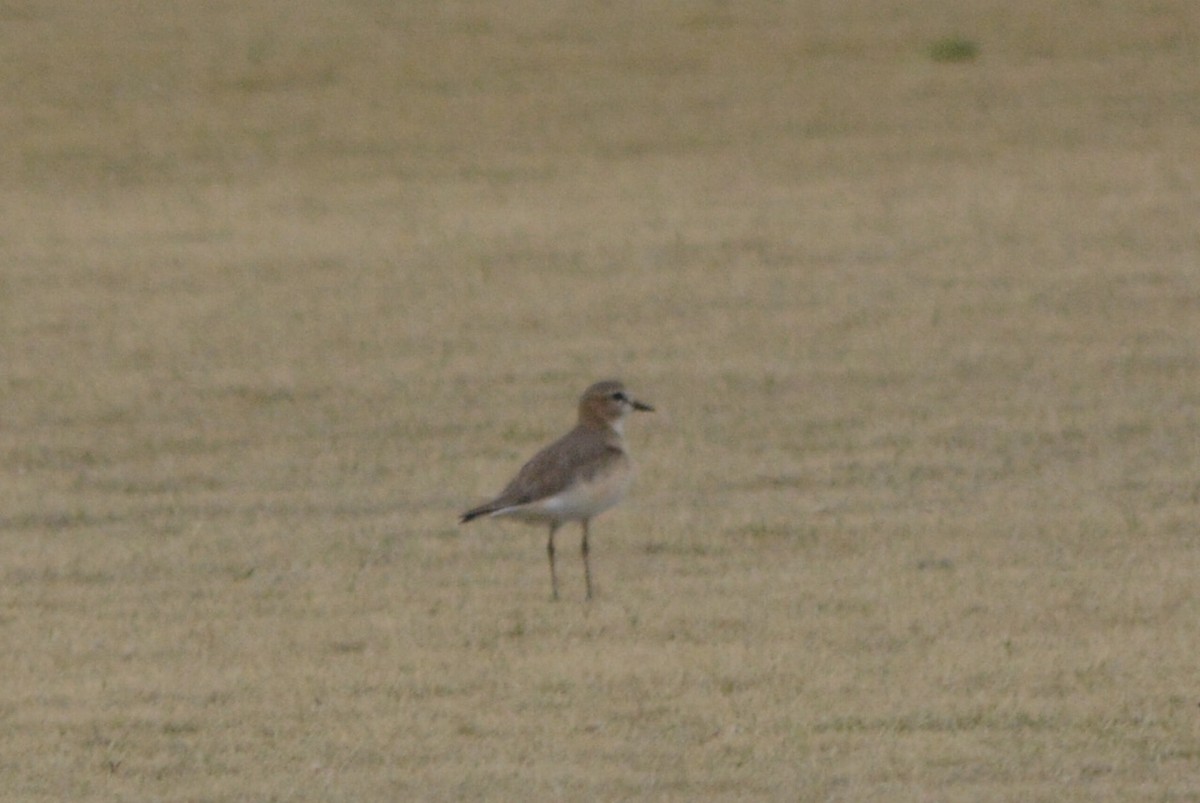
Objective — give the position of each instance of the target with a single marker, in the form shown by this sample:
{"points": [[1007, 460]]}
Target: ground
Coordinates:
{"points": [[285, 289]]}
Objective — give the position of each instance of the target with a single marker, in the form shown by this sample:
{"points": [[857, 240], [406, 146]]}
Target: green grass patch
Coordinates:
{"points": [[953, 49]]}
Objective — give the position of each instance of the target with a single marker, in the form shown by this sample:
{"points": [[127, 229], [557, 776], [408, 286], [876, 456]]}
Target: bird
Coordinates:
{"points": [[575, 478]]}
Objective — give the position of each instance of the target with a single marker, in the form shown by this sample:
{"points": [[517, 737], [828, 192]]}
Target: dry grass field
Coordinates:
{"points": [[284, 287]]}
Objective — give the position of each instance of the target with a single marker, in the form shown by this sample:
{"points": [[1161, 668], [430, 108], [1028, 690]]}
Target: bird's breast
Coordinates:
{"points": [[583, 499]]}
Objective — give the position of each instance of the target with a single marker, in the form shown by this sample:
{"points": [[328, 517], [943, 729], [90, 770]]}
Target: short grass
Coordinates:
{"points": [[283, 290]]}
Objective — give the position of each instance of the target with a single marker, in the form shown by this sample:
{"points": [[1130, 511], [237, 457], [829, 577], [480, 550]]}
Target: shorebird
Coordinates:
{"points": [[579, 476]]}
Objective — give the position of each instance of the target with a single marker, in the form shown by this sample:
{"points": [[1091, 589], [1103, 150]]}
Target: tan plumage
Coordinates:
{"points": [[581, 455], [578, 476]]}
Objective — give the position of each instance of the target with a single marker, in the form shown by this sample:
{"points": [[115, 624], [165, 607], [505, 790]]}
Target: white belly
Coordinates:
{"points": [[581, 501]]}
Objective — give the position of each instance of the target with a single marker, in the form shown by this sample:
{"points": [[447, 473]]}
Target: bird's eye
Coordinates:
{"points": [[618, 396]]}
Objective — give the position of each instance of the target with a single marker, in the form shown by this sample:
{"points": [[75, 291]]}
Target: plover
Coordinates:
{"points": [[579, 476]]}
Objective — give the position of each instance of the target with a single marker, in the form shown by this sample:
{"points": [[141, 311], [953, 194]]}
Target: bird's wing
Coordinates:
{"points": [[575, 456], [554, 469]]}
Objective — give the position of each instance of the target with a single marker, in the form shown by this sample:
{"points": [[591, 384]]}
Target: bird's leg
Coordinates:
{"points": [[587, 569], [550, 552]]}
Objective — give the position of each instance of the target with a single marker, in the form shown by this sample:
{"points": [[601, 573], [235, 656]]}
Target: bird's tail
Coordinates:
{"points": [[476, 512]]}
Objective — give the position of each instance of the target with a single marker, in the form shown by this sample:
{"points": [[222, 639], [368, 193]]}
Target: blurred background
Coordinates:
{"points": [[285, 287]]}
